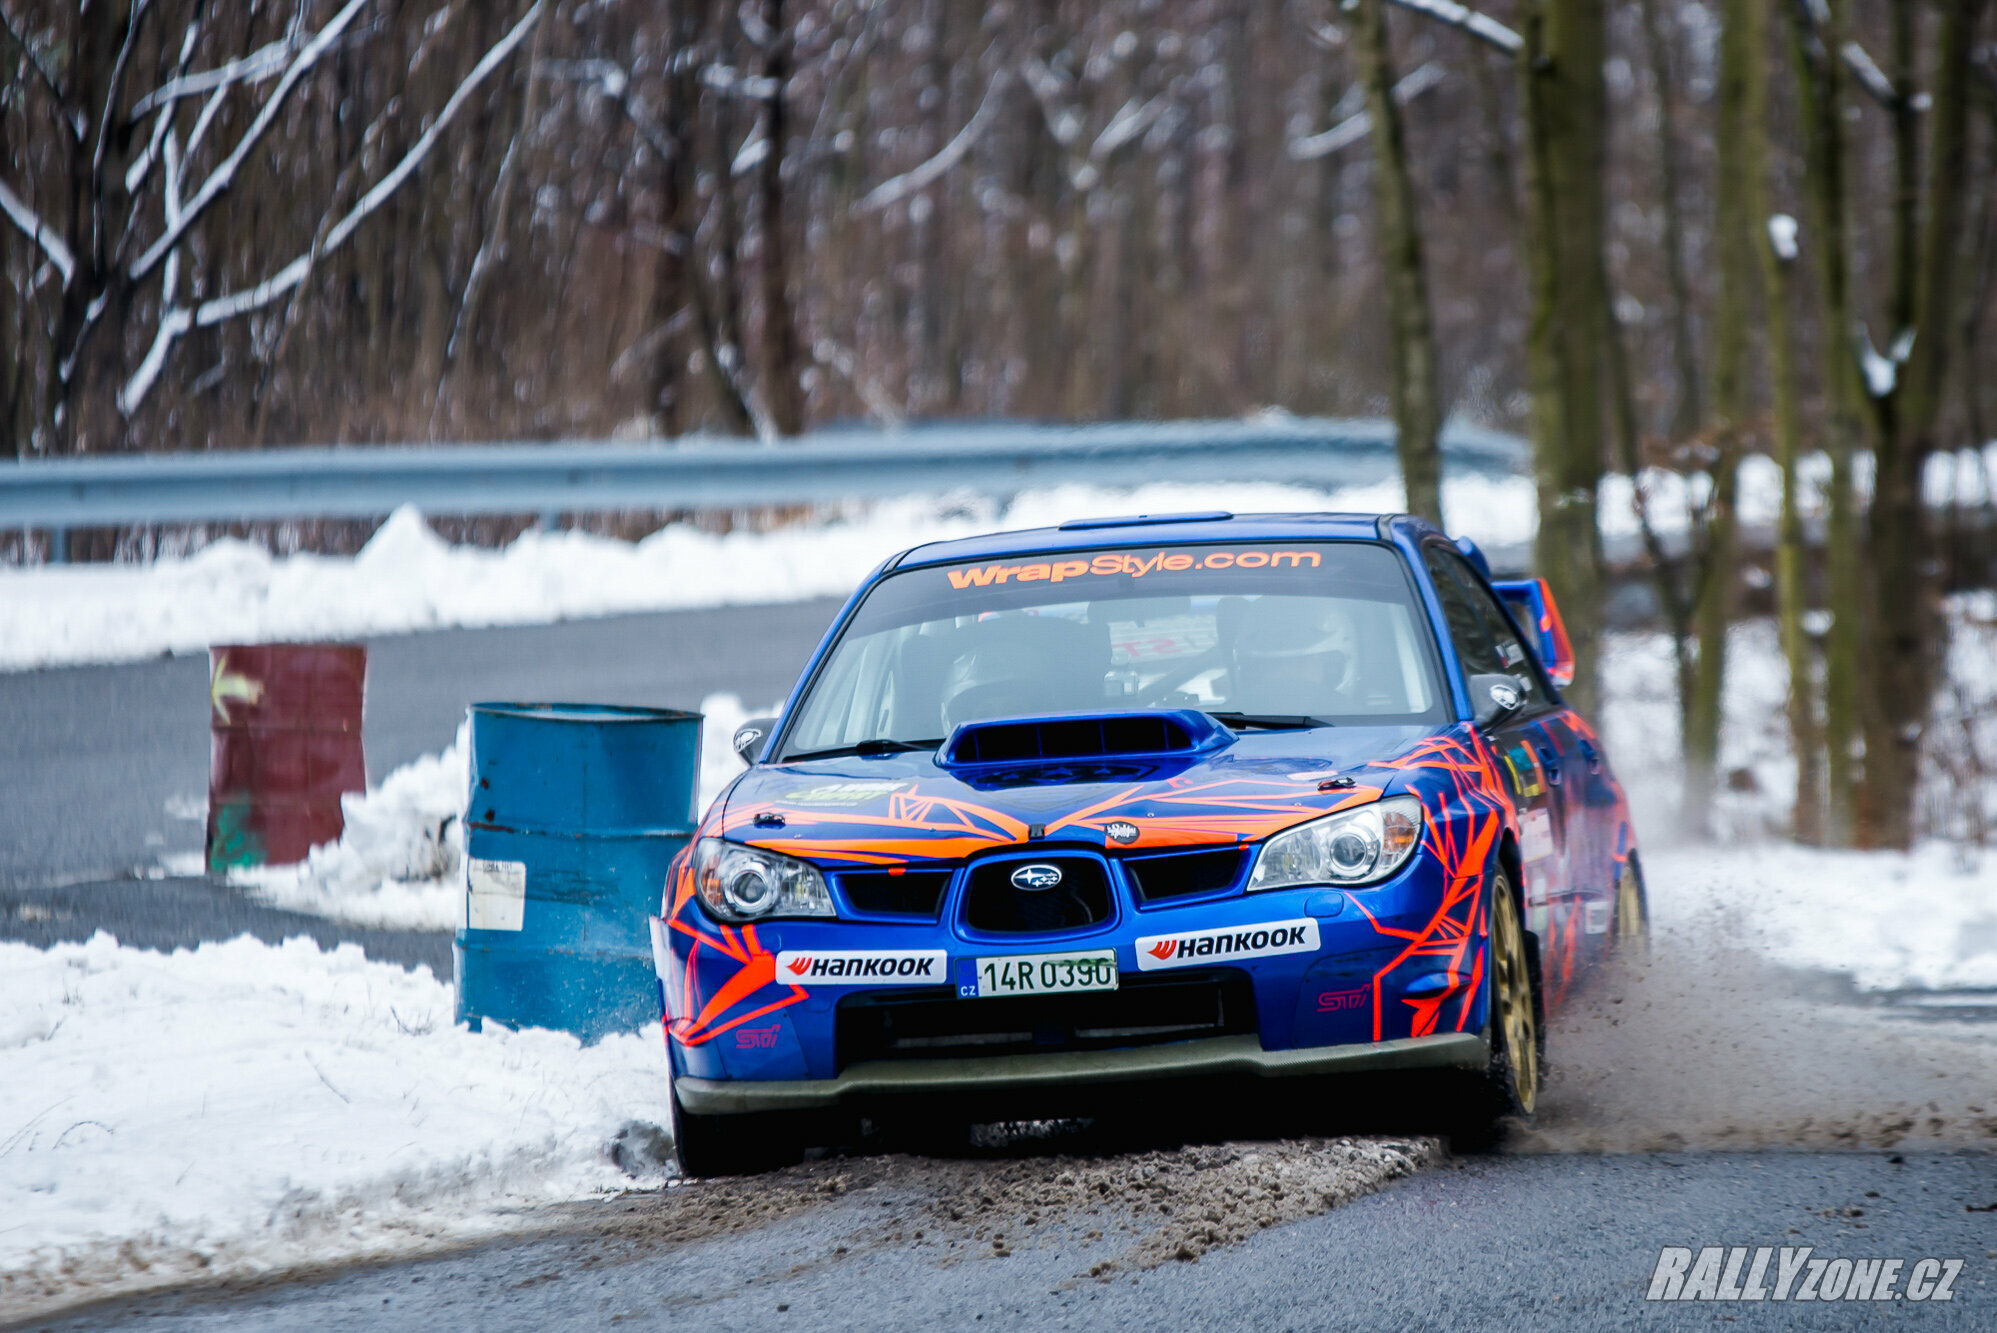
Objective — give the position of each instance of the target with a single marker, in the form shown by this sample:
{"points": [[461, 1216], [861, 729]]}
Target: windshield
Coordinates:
{"points": [[1305, 635]]}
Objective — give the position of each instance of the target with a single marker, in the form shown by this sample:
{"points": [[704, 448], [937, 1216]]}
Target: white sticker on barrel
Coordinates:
{"points": [[496, 894]]}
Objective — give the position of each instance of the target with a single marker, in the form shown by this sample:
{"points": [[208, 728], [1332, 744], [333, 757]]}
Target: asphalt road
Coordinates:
{"points": [[1519, 1242], [104, 770]]}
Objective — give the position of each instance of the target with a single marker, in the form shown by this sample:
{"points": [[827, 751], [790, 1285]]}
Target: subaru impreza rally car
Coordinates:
{"points": [[1244, 798]]}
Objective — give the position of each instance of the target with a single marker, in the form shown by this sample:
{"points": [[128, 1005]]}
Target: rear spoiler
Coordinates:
{"points": [[1532, 605]]}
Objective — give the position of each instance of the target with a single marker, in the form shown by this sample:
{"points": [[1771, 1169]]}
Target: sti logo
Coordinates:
{"points": [[1334, 1001], [757, 1039]]}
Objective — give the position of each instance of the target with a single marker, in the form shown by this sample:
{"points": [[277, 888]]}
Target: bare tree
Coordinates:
{"points": [[1417, 395]]}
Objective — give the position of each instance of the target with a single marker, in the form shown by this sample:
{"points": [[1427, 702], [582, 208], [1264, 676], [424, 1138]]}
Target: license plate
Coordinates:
{"points": [[1041, 974]]}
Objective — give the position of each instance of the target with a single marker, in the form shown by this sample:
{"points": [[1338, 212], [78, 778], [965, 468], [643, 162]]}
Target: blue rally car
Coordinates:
{"points": [[1239, 798]]}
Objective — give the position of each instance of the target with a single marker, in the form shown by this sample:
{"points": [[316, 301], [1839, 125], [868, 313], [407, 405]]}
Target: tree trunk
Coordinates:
{"points": [[1820, 104], [781, 366], [84, 370], [1906, 620], [1684, 355], [1791, 574], [1417, 398], [1733, 240], [1566, 111]]}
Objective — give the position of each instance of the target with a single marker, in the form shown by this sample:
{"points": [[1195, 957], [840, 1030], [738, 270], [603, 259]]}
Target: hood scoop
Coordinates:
{"points": [[1067, 737]]}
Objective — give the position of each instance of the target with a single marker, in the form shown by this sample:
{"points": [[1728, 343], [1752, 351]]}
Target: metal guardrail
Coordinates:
{"points": [[705, 473]]}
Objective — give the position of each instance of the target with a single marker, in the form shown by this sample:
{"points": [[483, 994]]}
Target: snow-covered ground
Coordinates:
{"points": [[1887, 921], [242, 1107]]}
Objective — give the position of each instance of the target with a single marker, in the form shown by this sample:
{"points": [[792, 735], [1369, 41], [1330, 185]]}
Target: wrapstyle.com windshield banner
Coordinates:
{"points": [[1129, 564]]}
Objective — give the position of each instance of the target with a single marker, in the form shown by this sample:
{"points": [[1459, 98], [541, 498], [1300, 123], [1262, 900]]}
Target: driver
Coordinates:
{"points": [[1291, 655]]}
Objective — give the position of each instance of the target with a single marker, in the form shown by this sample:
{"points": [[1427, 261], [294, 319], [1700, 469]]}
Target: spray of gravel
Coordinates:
{"points": [[1706, 1046]]}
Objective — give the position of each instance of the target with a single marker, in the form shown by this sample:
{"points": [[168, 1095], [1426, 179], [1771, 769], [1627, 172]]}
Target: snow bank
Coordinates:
{"points": [[407, 578], [1887, 920], [243, 1107], [400, 862]]}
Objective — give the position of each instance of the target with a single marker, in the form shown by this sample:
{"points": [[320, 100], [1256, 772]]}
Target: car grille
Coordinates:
{"points": [[1141, 1012], [994, 905], [1183, 874], [912, 894]]}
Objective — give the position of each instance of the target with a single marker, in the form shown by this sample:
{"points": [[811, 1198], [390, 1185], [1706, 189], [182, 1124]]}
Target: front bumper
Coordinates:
{"points": [[1239, 1056], [1391, 976]]}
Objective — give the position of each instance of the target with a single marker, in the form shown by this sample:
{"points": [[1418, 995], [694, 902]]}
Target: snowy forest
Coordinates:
{"points": [[1655, 237]]}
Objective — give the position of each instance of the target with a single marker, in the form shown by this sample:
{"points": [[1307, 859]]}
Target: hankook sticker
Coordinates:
{"points": [[863, 967], [1194, 947]]}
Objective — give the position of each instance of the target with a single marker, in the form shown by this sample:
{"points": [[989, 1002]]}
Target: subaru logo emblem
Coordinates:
{"points": [[1036, 877]]}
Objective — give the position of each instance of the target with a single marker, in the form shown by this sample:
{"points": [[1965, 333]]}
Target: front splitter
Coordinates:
{"points": [[1208, 1057]]}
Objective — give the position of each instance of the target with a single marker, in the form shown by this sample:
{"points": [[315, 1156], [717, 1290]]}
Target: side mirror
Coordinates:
{"points": [[750, 735], [1494, 697]]}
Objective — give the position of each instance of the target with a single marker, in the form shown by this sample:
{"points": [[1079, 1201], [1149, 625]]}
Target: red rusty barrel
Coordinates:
{"points": [[286, 744]]}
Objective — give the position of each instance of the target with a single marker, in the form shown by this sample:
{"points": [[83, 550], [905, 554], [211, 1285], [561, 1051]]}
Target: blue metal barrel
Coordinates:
{"points": [[573, 814]]}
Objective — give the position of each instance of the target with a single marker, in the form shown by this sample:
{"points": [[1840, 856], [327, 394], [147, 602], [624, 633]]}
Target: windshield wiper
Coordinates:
{"points": [[878, 745], [1271, 721]]}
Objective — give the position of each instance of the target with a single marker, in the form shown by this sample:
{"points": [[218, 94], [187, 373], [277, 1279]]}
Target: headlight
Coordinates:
{"points": [[1351, 847], [747, 883]]}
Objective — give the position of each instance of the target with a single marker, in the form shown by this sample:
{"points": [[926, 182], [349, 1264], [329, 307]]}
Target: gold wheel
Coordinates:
{"points": [[1513, 1019]]}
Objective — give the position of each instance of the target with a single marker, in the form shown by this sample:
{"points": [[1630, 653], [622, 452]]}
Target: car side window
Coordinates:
{"points": [[1521, 662], [1483, 638]]}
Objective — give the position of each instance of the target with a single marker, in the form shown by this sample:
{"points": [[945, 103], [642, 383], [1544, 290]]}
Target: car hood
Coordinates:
{"points": [[902, 808]]}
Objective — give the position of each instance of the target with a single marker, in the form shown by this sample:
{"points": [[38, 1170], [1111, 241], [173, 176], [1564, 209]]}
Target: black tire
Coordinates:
{"points": [[1508, 1088], [734, 1145]]}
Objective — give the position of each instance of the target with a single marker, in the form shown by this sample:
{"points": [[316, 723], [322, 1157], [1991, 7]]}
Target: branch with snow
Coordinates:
{"points": [[1357, 126], [829, 353], [1481, 26], [1870, 77], [896, 188], [175, 321], [38, 232], [1814, 17], [1048, 88], [1782, 231], [261, 64], [224, 174], [1882, 373], [615, 83], [726, 79]]}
